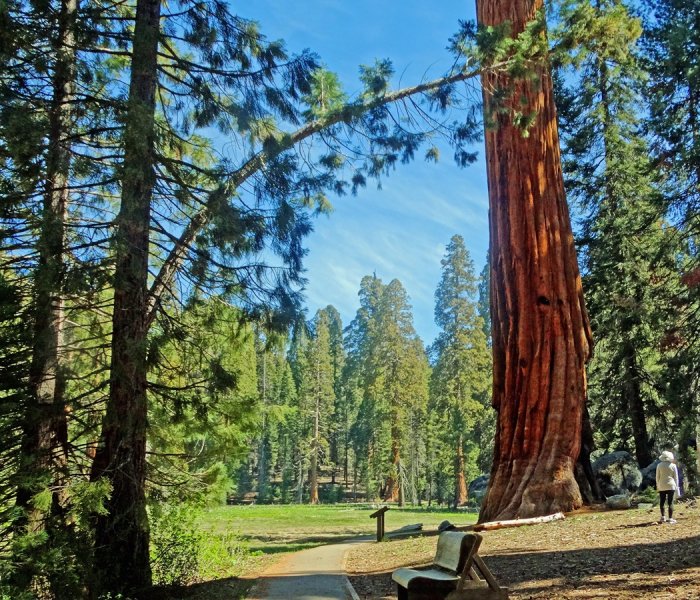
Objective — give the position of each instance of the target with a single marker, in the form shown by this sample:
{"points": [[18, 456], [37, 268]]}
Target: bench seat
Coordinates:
{"points": [[404, 577], [454, 574]]}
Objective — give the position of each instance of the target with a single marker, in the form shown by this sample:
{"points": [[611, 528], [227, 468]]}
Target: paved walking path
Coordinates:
{"points": [[314, 574]]}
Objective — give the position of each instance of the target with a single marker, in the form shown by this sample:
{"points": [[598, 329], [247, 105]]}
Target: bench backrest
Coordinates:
{"points": [[454, 548]]}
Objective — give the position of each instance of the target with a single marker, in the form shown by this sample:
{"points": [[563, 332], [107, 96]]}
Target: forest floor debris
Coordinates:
{"points": [[592, 554]]}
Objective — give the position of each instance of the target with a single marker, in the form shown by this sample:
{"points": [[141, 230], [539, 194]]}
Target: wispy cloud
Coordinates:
{"points": [[400, 232]]}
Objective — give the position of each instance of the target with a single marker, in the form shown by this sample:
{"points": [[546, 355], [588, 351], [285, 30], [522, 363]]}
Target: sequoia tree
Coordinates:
{"points": [[541, 335]]}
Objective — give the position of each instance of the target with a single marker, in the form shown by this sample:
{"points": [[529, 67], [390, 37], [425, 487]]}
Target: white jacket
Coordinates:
{"points": [[666, 477]]}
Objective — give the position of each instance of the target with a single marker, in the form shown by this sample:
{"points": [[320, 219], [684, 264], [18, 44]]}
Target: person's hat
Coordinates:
{"points": [[666, 456]]}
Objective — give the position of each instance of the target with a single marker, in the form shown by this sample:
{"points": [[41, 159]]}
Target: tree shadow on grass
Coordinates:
{"points": [[283, 548], [640, 570], [230, 588], [275, 544]]}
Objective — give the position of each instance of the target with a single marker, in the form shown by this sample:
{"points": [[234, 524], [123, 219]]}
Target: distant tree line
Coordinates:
{"points": [[369, 407]]}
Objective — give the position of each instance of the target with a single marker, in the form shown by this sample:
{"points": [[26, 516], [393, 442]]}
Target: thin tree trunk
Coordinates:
{"points": [[460, 481], [695, 477], [313, 469], [44, 445], [541, 335], [635, 404], [122, 535]]}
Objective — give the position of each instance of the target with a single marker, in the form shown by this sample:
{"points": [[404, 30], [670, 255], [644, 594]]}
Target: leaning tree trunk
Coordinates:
{"points": [[541, 335], [122, 535]]}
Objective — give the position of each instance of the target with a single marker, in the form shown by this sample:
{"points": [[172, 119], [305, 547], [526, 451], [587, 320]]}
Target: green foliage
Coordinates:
{"points": [[627, 247], [175, 544], [670, 42], [221, 554], [461, 376], [386, 376], [326, 95]]}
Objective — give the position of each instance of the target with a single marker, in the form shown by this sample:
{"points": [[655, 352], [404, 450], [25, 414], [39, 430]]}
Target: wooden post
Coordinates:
{"points": [[379, 515]]}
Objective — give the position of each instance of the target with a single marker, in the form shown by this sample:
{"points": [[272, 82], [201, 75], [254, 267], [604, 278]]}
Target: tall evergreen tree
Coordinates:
{"points": [[388, 365], [318, 390], [460, 379], [609, 173], [339, 442], [671, 41]]}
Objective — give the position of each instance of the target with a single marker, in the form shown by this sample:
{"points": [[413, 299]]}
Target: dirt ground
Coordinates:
{"points": [[601, 554]]}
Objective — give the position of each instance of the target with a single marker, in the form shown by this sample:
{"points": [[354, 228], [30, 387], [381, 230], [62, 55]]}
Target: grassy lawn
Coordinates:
{"points": [[266, 527], [240, 541]]}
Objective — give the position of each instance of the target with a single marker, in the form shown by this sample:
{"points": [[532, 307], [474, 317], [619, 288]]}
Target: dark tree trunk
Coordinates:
{"points": [[541, 335], [122, 535], [587, 482], [632, 392], [45, 437]]}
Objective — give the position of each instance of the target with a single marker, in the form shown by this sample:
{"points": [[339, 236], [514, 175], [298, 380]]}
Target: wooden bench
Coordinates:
{"points": [[457, 573]]}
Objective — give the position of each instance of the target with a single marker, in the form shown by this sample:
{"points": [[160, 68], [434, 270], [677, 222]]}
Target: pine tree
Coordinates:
{"points": [[318, 389], [387, 366], [670, 42], [339, 443], [460, 379], [609, 172]]}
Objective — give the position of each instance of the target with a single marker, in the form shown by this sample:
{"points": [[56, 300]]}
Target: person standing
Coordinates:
{"points": [[666, 484]]}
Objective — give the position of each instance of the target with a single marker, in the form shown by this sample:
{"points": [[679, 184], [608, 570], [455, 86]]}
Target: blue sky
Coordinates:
{"points": [[401, 230]]}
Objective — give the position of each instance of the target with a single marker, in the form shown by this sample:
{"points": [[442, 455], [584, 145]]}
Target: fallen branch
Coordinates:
{"points": [[518, 522]]}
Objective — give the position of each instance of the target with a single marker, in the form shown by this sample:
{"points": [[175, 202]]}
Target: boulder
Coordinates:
{"points": [[617, 473], [619, 501], [478, 487], [649, 476]]}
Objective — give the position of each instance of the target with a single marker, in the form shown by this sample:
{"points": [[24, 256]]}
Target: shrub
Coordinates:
{"points": [[175, 544]]}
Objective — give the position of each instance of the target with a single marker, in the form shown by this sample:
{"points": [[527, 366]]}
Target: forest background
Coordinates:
{"points": [[118, 180]]}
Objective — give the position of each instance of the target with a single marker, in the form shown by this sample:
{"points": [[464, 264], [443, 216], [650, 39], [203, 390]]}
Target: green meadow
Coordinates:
{"points": [[237, 540]]}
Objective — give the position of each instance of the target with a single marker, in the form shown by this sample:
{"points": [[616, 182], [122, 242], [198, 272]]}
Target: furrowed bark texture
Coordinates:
{"points": [[122, 535], [541, 335]]}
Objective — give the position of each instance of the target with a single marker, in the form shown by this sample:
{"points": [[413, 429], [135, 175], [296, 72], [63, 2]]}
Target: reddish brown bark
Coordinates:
{"points": [[460, 480], [541, 335], [394, 492]]}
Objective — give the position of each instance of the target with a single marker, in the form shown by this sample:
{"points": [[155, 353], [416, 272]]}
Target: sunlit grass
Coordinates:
{"points": [[271, 529]]}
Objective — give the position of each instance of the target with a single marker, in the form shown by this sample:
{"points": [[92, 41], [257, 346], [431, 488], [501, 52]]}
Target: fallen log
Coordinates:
{"points": [[518, 522]]}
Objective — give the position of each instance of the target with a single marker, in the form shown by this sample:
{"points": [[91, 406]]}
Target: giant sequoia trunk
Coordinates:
{"points": [[122, 535], [541, 336], [394, 489]]}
